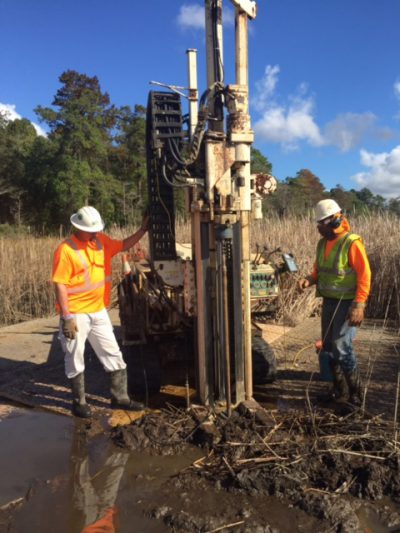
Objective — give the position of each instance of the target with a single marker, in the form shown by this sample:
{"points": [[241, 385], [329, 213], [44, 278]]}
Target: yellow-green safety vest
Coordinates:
{"points": [[336, 278]]}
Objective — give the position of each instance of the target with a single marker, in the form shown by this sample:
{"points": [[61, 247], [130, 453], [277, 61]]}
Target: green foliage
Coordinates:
{"points": [[128, 161], [81, 129], [296, 196], [95, 153], [259, 163], [348, 200], [394, 206], [309, 186], [11, 230], [16, 141], [370, 201]]}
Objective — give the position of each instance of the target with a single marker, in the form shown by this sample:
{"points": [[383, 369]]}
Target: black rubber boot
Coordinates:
{"points": [[339, 391], [79, 406], [355, 390], [119, 392], [340, 388]]}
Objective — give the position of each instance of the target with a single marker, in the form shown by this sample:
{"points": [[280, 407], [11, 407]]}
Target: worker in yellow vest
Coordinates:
{"points": [[343, 278], [82, 278]]}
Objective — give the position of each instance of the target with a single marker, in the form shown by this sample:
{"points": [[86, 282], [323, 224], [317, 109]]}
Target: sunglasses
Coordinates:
{"points": [[325, 222]]}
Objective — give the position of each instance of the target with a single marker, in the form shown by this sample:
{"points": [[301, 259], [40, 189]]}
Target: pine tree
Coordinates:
{"points": [[81, 127]]}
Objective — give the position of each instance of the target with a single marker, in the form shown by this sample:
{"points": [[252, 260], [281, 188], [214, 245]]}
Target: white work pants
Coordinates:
{"points": [[98, 330]]}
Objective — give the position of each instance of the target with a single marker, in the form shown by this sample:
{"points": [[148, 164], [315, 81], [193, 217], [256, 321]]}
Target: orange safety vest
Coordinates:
{"points": [[88, 284], [86, 273]]}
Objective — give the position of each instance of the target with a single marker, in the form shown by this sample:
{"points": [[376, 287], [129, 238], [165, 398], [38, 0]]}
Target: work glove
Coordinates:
{"points": [[356, 316], [306, 282], [69, 327]]}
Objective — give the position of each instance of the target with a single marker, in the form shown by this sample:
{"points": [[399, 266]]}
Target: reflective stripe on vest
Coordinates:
{"points": [[87, 285], [336, 279]]}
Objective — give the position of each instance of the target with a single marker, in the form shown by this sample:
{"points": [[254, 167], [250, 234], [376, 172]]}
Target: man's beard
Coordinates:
{"points": [[327, 232]]}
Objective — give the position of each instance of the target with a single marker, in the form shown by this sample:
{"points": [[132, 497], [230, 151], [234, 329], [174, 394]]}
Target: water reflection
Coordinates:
{"points": [[94, 495]]}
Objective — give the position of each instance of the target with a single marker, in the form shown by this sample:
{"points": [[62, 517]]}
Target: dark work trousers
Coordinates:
{"points": [[337, 335]]}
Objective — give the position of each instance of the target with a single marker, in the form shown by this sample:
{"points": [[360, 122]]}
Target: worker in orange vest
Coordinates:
{"points": [[82, 278], [343, 278], [96, 479]]}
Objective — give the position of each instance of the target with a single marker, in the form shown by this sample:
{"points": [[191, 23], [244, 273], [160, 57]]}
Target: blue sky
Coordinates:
{"points": [[324, 74]]}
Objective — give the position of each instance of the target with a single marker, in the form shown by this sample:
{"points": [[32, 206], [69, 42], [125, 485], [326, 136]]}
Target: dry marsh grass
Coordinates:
{"points": [[299, 236], [26, 291]]}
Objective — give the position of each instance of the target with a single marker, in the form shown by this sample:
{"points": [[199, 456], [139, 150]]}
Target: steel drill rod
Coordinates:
{"points": [[227, 351]]}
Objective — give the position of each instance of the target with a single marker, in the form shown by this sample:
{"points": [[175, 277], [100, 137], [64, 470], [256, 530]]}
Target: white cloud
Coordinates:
{"points": [[396, 88], [285, 124], [293, 121], [8, 110], [39, 130], [265, 87], [10, 113], [191, 16], [288, 126], [383, 174], [347, 130]]}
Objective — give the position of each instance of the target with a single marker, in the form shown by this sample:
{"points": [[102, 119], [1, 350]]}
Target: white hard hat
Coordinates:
{"points": [[325, 209], [87, 218]]}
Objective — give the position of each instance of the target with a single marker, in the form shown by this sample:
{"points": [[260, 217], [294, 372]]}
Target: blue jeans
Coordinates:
{"points": [[337, 335]]}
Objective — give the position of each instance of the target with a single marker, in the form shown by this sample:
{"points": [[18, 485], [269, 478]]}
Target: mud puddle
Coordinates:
{"points": [[34, 446], [57, 476], [291, 471], [176, 472]]}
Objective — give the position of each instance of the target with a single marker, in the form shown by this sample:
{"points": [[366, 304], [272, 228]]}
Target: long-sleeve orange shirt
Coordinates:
{"points": [[68, 270], [105, 524], [358, 261]]}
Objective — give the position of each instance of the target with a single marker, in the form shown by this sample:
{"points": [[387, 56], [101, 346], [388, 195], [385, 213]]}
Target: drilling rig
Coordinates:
{"points": [[206, 287]]}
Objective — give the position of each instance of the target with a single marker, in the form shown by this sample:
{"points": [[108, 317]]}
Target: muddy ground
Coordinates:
{"points": [[286, 464]]}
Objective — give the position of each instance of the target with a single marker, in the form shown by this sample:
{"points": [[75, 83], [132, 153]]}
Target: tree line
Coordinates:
{"points": [[95, 153], [298, 195]]}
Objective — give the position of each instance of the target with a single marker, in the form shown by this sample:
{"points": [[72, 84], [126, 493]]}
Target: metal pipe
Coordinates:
{"points": [[214, 41], [193, 89], [214, 49], [248, 362], [218, 332], [202, 385], [227, 352], [242, 61], [242, 150], [238, 346]]}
